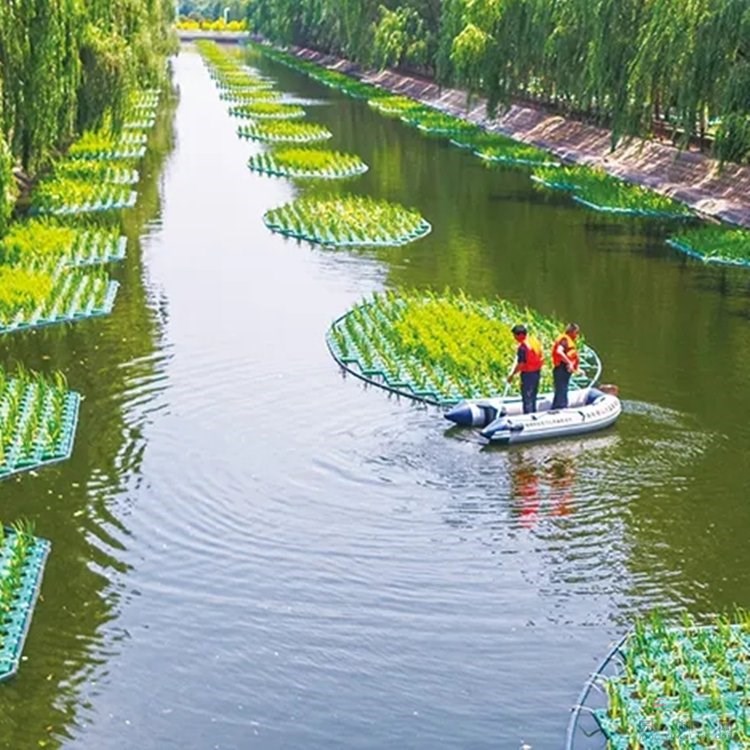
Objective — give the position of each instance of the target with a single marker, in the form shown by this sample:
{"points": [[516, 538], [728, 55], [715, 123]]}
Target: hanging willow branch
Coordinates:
{"points": [[628, 64]]}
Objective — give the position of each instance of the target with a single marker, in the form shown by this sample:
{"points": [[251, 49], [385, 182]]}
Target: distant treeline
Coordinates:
{"points": [[212, 10], [629, 64]]}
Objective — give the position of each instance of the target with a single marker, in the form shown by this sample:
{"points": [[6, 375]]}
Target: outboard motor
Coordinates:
{"points": [[471, 414]]}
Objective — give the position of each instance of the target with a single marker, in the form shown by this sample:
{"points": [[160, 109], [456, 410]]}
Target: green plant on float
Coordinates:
{"points": [[599, 190], [394, 106], [327, 77], [92, 170], [448, 345], [688, 681], [347, 220], [22, 290], [41, 294], [58, 195], [306, 162], [513, 152], [102, 144], [282, 131], [44, 240], [268, 110], [248, 97], [715, 244], [430, 121]]}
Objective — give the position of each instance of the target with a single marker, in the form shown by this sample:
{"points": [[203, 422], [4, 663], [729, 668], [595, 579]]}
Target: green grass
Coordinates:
{"points": [[394, 106], [38, 295], [37, 419], [46, 241], [305, 162], [63, 195], [680, 685], [267, 111], [341, 220], [430, 121], [444, 347], [599, 190], [715, 244], [282, 131]]}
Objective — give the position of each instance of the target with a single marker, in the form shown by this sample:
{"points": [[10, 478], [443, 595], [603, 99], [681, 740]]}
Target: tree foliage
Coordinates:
{"points": [[683, 65], [66, 66], [400, 38]]}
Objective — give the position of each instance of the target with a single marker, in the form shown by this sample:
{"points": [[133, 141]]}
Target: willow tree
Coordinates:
{"points": [[66, 65], [622, 63], [400, 38]]}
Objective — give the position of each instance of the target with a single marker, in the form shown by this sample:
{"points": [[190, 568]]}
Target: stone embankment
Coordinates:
{"points": [[687, 175]]}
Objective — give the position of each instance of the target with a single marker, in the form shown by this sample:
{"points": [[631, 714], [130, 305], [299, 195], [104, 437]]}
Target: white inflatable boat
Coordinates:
{"points": [[504, 421]]}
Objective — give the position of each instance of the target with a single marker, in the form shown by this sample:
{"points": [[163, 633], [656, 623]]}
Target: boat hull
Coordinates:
{"points": [[597, 412], [482, 412]]}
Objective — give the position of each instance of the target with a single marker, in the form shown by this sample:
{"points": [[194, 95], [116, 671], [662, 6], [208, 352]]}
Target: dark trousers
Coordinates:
{"points": [[561, 376], [529, 389]]}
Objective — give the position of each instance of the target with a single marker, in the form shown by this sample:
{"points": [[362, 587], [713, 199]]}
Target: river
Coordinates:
{"points": [[250, 550]]}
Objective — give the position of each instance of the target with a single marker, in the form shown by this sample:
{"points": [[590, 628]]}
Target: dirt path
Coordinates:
{"points": [[689, 176]]}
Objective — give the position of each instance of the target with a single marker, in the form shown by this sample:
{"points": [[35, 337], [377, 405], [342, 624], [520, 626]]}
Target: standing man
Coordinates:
{"points": [[565, 361], [529, 364]]}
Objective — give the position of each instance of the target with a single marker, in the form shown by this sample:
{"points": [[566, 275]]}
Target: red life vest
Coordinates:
{"points": [[569, 348], [534, 355]]}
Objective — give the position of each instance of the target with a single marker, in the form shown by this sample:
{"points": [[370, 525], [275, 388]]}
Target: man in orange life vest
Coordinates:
{"points": [[529, 363], [565, 361]]}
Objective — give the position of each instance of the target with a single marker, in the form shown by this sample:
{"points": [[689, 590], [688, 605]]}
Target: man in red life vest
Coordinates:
{"points": [[565, 361], [529, 364]]}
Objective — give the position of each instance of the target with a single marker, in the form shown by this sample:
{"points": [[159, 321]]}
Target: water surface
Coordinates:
{"points": [[250, 550]]}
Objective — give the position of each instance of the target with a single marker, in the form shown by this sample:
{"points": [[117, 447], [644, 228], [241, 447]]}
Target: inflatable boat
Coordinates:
{"points": [[504, 422]]}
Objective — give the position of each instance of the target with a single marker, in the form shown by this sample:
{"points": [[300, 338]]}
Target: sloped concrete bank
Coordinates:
{"points": [[688, 176]]}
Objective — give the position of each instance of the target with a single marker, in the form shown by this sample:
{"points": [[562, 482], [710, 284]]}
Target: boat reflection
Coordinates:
{"points": [[543, 478]]}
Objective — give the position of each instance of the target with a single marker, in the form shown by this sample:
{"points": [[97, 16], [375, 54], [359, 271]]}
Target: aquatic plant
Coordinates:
{"points": [[61, 196], [267, 111], [394, 106], [441, 348], [22, 290], [246, 96], [431, 121], [680, 685], [23, 556], [331, 78], [43, 240], [341, 220], [36, 296], [96, 171], [715, 244], [308, 163], [139, 123], [144, 101], [38, 416], [477, 139], [598, 190], [282, 131], [234, 79], [500, 149], [95, 145]]}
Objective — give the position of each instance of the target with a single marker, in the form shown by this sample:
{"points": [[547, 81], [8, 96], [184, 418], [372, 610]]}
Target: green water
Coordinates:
{"points": [[251, 551]]}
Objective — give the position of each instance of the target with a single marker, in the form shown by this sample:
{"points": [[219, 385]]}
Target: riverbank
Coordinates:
{"points": [[688, 176]]}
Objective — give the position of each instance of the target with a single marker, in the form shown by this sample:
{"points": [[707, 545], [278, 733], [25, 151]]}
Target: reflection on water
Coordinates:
{"points": [[248, 545], [541, 486]]}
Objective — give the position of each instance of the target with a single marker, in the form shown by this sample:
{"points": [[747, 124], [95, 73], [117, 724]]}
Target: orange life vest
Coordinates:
{"points": [[534, 355], [570, 351]]}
